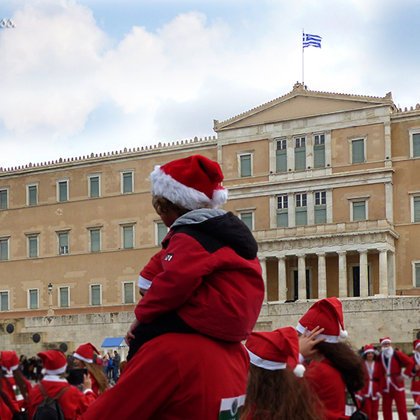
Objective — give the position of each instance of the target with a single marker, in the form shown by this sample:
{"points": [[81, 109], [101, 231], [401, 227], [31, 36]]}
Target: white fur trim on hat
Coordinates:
{"points": [[56, 371], [12, 368], [265, 364], [78, 356], [164, 185], [328, 338], [144, 283], [385, 340]]}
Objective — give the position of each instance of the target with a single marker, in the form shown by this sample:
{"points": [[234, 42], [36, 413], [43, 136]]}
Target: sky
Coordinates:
{"points": [[95, 76]]}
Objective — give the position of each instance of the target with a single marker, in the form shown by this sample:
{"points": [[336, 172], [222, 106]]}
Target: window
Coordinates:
{"points": [[128, 292], [94, 186], [248, 219], [161, 232], [32, 194], [63, 243], [319, 150], [4, 249], [300, 153], [415, 143], [95, 294], [33, 298], [128, 237], [416, 274], [282, 211], [33, 246], [64, 297], [281, 156], [301, 209], [416, 208], [245, 165], [359, 210], [3, 199], [358, 151], [62, 190], [320, 207], [4, 301], [127, 182], [95, 240]]}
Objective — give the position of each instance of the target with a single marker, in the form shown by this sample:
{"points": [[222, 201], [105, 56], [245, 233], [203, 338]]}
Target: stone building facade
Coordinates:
{"points": [[329, 184]]}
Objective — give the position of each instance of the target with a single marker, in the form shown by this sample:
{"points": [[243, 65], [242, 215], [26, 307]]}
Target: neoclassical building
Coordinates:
{"points": [[329, 184]]}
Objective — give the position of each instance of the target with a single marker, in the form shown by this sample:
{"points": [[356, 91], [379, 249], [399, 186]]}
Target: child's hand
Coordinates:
{"points": [[87, 382], [130, 335], [308, 342]]}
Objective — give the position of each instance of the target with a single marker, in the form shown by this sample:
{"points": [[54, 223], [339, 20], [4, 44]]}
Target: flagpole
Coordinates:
{"points": [[303, 49]]}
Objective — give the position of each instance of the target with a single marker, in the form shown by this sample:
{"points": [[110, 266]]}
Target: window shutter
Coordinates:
{"points": [[281, 161], [320, 214], [417, 209], [319, 156], [300, 159], [282, 218], [359, 210], [246, 165], [416, 145], [358, 150], [417, 269]]}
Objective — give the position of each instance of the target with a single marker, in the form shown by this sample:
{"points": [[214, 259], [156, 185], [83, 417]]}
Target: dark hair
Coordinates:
{"points": [[346, 361], [162, 205], [278, 395]]}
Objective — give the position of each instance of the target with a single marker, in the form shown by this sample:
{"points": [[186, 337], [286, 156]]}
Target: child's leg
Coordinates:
{"points": [[168, 323]]}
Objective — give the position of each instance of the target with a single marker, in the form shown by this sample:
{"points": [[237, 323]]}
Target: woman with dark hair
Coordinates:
{"points": [[274, 389], [334, 365], [370, 394]]}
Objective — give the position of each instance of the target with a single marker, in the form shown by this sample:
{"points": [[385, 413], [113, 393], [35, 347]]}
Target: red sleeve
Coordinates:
{"points": [[185, 262], [154, 266], [407, 362]]}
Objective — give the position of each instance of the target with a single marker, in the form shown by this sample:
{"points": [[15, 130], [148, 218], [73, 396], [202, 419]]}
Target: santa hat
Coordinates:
{"points": [[416, 344], [368, 349], [85, 352], [9, 361], [275, 350], [191, 183], [327, 314], [384, 340], [54, 362]]}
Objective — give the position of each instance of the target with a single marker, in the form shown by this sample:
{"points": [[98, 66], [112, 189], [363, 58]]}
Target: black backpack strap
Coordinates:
{"points": [[60, 393]]}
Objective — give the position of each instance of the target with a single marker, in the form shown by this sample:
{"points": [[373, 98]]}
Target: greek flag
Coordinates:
{"points": [[311, 41]]}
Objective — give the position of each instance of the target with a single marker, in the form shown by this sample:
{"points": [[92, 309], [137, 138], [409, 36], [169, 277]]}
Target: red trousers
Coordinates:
{"points": [[399, 397], [371, 408]]}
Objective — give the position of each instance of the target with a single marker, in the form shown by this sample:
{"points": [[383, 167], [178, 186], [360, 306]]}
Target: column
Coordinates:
{"points": [[291, 210], [342, 274], [301, 277], [290, 154], [282, 278], [383, 272], [310, 206], [322, 276], [363, 264], [263, 262]]}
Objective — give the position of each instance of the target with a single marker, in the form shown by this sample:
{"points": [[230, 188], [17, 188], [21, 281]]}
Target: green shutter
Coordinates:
{"points": [[127, 182], [417, 209], [358, 151], [33, 247], [247, 219], [319, 156], [282, 218], [94, 186], [128, 293], [300, 159], [128, 237], [62, 191], [359, 210], [32, 193], [4, 250], [4, 304], [417, 269], [96, 294], [301, 216], [95, 240], [416, 145], [64, 297], [33, 299], [320, 214], [281, 161], [246, 165], [3, 199]]}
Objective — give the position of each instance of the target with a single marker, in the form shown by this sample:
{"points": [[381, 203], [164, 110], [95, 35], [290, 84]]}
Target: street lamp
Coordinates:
{"points": [[49, 288], [50, 312]]}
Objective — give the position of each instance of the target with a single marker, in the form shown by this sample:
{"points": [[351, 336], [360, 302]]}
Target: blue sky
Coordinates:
{"points": [[83, 76]]}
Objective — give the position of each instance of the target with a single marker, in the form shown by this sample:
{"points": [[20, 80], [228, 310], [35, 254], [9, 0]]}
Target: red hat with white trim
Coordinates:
{"points": [[85, 352], [328, 314], [54, 362], [384, 340], [369, 348], [275, 350], [192, 182], [9, 361], [416, 344]]}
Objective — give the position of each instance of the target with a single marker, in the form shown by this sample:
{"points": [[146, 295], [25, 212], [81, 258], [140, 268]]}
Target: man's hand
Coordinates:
{"points": [[130, 335], [307, 342]]}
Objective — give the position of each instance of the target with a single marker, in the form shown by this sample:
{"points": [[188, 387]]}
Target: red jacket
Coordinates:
{"points": [[9, 384], [210, 275], [372, 381], [73, 402], [177, 377], [328, 385], [391, 375], [415, 377]]}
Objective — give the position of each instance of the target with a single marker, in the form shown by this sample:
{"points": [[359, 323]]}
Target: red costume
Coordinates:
{"points": [[174, 377], [370, 393], [415, 375], [392, 383], [327, 383]]}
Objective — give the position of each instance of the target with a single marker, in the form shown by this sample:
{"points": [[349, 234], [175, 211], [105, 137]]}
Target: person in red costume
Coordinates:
{"points": [[207, 278], [370, 394], [175, 377], [14, 387], [334, 365], [391, 364], [84, 357], [73, 402], [274, 390], [415, 378]]}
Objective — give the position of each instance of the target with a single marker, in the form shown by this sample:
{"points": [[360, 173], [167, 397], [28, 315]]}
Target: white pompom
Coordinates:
{"points": [[343, 334], [299, 370]]}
